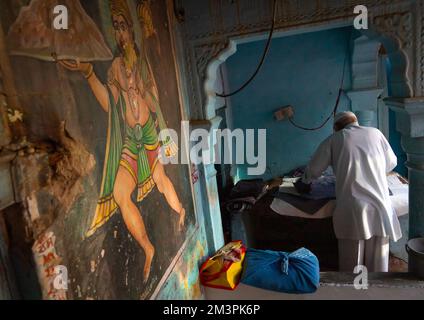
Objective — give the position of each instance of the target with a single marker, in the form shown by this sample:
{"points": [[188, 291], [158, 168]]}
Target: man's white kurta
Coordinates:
{"points": [[361, 157]]}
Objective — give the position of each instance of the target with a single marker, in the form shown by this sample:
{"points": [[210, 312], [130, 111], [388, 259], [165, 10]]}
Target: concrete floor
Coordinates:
{"points": [[335, 286]]}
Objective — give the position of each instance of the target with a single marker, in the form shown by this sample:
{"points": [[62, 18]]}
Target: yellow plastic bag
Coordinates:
{"points": [[223, 270]]}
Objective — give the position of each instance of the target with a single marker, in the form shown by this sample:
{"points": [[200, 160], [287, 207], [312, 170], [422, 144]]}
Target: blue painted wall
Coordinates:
{"points": [[303, 71]]}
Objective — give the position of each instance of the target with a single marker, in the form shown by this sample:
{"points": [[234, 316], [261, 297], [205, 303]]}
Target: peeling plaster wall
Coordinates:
{"points": [[58, 170]]}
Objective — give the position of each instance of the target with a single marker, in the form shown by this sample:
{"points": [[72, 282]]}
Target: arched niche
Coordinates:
{"points": [[209, 71], [394, 27]]}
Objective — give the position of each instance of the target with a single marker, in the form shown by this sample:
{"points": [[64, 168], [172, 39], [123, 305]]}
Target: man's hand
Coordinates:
{"points": [[302, 187]]}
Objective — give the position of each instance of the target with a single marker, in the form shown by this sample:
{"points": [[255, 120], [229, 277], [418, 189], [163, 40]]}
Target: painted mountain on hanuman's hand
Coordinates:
{"points": [[33, 34]]}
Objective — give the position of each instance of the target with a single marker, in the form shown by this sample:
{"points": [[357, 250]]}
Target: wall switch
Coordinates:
{"points": [[284, 113]]}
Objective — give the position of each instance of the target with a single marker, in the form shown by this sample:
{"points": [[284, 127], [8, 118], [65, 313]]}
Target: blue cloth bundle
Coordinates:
{"points": [[296, 272]]}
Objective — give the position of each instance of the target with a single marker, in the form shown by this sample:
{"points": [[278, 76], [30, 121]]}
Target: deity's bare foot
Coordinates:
{"points": [[148, 263], [182, 220]]}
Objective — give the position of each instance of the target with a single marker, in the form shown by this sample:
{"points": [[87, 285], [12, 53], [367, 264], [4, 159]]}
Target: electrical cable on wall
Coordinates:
{"points": [[334, 111], [274, 15]]}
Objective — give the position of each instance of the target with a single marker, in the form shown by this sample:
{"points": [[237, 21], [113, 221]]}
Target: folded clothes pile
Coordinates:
{"points": [[245, 194], [323, 190]]}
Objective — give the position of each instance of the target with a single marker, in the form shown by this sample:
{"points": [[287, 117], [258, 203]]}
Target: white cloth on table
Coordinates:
{"points": [[286, 209], [399, 199], [361, 158]]}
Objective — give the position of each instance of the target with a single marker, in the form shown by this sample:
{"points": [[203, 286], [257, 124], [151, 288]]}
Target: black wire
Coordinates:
{"points": [[333, 113], [274, 15]]}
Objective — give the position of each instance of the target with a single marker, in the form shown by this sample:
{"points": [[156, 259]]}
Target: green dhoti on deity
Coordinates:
{"points": [[136, 149]]}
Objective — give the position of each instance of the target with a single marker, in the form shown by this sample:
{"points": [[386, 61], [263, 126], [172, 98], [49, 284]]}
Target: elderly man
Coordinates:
{"points": [[364, 219]]}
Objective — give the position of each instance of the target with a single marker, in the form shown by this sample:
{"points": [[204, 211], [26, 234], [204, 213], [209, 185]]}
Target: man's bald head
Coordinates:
{"points": [[343, 119]]}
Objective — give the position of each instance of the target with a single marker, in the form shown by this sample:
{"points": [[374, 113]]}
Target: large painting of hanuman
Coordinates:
{"points": [[131, 99]]}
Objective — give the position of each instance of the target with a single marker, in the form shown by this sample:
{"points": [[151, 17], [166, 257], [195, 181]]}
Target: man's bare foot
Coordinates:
{"points": [[148, 263], [181, 222]]}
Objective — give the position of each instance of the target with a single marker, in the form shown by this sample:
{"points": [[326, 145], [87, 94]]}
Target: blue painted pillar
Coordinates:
{"points": [[208, 185], [414, 148], [410, 123], [365, 104]]}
